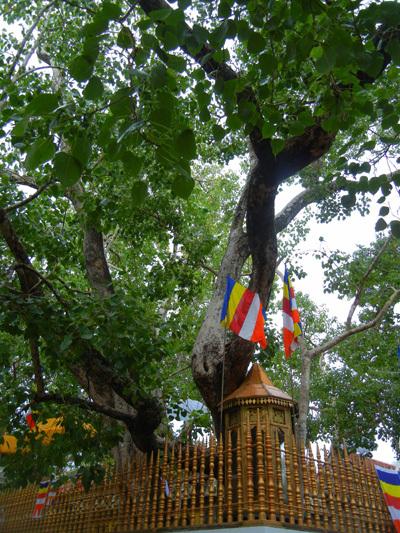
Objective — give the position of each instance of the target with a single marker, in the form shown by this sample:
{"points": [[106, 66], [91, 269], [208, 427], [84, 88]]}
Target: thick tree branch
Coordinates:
{"points": [[28, 199], [44, 280], [27, 276], [88, 405], [37, 369], [363, 280], [357, 329], [19, 179]]}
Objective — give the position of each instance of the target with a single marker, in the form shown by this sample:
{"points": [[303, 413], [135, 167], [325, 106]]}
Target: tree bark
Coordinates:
{"points": [[304, 399]]}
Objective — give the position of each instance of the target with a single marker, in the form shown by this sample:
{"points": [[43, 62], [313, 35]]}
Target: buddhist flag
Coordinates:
{"points": [[390, 484], [29, 420], [41, 497], [291, 318], [243, 313]]}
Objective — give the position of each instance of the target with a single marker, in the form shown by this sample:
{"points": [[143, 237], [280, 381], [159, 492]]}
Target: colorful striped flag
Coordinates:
{"points": [[243, 313], [30, 420], [51, 495], [390, 484], [41, 497], [291, 318]]}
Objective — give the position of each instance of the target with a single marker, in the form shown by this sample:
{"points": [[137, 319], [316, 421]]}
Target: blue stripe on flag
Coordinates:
{"points": [[385, 476], [229, 286]]}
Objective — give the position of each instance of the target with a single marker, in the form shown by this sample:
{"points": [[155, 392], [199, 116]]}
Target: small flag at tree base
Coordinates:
{"points": [[291, 317], [243, 313], [41, 497]]}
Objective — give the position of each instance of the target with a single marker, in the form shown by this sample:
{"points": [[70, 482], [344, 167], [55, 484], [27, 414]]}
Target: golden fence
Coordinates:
{"points": [[258, 479]]}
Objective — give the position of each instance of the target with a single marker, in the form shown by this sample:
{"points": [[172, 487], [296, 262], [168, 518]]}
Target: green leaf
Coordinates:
{"points": [[67, 168], [182, 186], [98, 25], [218, 132], [224, 9], [316, 52], [20, 128], [277, 145], [65, 343], [111, 11], [94, 89], [256, 43], [121, 102], [326, 62], [81, 68], [81, 149], [395, 228], [268, 63], [383, 211], [91, 48], [185, 144], [41, 151], [268, 130], [125, 38], [330, 124], [159, 76], [394, 50], [177, 63], [233, 122], [138, 192], [130, 129], [218, 35], [380, 224], [42, 104], [132, 163], [348, 201], [159, 15]]}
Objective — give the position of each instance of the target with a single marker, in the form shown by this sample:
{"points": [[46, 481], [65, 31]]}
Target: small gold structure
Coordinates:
{"points": [[258, 401], [254, 413]]}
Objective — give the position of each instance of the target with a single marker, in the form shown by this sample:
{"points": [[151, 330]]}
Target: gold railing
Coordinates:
{"points": [[253, 480]]}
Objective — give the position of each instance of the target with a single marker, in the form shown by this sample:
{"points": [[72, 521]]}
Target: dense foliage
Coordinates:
{"points": [[122, 120]]}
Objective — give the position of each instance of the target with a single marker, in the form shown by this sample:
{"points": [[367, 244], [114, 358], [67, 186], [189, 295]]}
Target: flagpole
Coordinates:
{"points": [[222, 386]]}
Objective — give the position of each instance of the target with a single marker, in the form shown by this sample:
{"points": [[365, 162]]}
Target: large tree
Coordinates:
{"points": [[105, 106]]}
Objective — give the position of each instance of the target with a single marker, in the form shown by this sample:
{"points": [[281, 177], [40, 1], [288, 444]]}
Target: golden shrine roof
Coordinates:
{"points": [[257, 385]]}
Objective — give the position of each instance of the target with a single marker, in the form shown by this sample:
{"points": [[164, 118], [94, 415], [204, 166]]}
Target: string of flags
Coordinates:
{"points": [[390, 484], [291, 318], [41, 498], [243, 313]]}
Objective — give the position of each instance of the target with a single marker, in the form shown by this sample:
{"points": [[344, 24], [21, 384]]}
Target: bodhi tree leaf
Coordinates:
{"points": [[185, 144], [125, 38], [81, 68], [41, 151], [81, 149], [42, 104], [183, 186], [380, 224], [395, 228], [138, 192], [67, 168], [94, 89]]}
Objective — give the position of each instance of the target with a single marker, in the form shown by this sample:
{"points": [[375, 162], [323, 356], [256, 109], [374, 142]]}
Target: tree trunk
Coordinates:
{"points": [[214, 347], [304, 396]]}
